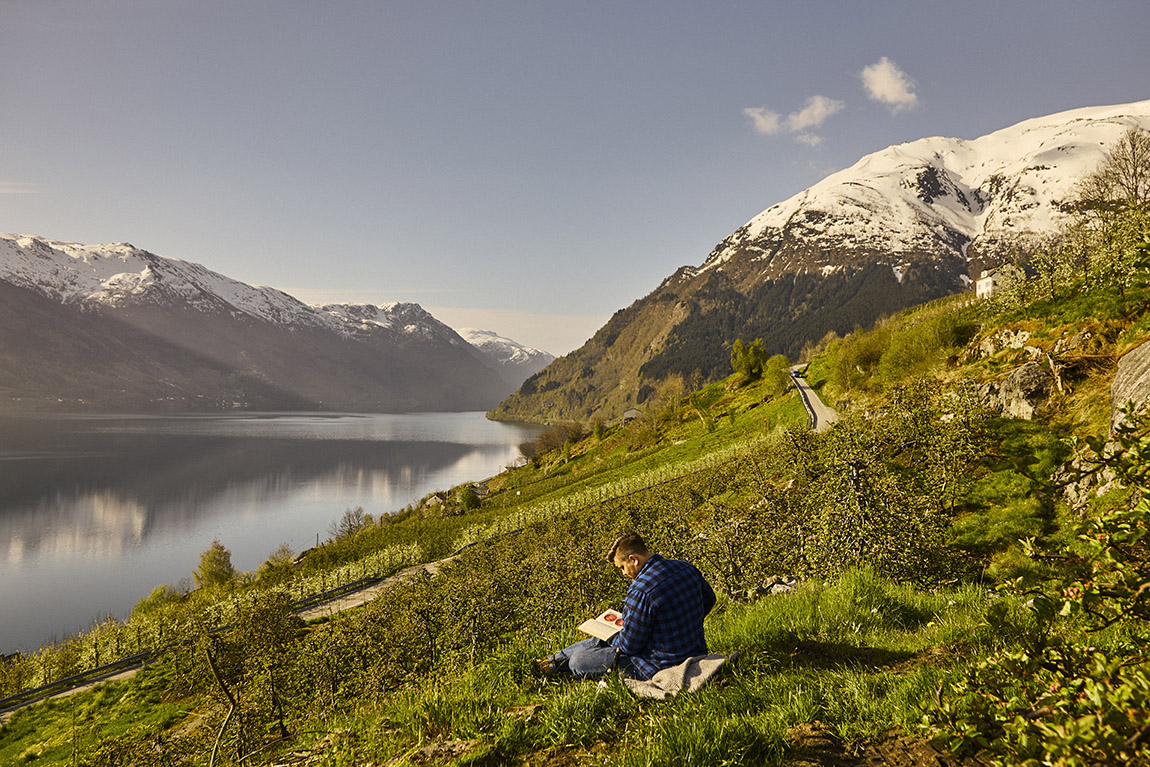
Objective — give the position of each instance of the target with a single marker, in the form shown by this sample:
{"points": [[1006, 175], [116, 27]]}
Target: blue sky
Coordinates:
{"points": [[525, 167]]}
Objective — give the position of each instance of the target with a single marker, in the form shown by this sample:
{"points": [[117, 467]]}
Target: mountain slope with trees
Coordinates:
{"points": [[913, 222]]}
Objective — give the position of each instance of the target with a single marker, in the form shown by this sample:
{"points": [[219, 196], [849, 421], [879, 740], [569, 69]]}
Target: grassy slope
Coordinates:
{"points": [[859, 654]]}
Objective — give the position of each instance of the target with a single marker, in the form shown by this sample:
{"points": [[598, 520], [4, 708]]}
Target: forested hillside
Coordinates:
{"points": [[910, 223]]}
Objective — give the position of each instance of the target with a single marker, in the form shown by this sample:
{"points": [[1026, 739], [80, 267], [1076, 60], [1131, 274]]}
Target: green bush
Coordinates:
{"points": [[161, 595], [1076, 690]]}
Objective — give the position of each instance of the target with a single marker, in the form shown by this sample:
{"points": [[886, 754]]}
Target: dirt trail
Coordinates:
{"points": [[357, 598]]}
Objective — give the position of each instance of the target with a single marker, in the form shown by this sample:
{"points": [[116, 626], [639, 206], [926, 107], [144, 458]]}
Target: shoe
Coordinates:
{"points": [[547, 666]]}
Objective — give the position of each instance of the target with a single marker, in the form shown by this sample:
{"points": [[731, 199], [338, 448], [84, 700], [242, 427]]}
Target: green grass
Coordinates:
{"points": [[49, 732], [859, 654]]}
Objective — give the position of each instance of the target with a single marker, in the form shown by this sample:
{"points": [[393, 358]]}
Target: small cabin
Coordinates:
{"points": [[631, 415]]}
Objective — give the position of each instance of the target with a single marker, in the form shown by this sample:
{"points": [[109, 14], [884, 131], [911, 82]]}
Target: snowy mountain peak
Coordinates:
{"points": [[119, 274], [149, 332], [407, 318], [503, 349], [933, 197], [515, 361]]}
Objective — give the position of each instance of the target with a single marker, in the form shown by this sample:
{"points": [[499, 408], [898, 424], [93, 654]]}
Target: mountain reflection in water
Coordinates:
{"points": [[96, 511]]}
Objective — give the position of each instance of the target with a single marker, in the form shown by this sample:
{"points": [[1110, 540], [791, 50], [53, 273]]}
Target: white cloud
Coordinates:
{"points": [[764, 121], [15, 187], [813, 114], [887, 84]]}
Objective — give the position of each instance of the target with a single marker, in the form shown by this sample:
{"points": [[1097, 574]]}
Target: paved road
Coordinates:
{"points": [[820, 415]]}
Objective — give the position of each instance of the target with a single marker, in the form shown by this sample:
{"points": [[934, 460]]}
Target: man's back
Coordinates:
{"points": [[663, 615]]}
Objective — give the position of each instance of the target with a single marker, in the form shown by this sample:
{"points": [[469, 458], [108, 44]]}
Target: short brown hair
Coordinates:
{"points": [[625, 545]]}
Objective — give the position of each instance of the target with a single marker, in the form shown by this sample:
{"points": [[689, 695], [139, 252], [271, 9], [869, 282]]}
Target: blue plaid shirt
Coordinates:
{"points": [[663, 615]]}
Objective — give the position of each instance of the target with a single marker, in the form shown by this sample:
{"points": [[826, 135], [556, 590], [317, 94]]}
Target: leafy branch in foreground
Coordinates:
{"points": [[1077, 690]]}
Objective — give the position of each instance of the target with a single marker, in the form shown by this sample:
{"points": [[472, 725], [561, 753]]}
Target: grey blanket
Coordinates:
{"points": [[689, 675]]}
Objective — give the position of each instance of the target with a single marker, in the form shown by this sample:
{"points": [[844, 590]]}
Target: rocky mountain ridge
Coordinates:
{"points": [[907, 224], [162, 333]]}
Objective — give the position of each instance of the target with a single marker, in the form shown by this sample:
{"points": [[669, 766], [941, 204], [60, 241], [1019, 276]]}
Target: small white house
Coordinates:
{"points": [[991, 279]]}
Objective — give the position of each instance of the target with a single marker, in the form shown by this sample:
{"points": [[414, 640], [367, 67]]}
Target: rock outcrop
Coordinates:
{"points": [[1020, 394], [1131, 382]]}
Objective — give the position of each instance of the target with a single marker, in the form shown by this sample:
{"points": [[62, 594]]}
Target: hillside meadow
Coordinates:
{"points": [[951, 604]]}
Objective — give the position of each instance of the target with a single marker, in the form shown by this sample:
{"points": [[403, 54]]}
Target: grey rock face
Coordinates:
{"points": [[1022, 393], [998, 341], [1131, 382]]}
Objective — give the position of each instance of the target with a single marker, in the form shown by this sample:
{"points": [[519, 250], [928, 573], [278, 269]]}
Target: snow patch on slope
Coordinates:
{"points": [[120, 274], [407, 318]]}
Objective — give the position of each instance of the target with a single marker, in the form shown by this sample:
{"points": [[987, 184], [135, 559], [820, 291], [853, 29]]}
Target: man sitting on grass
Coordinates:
{"points": [[662, 618]]}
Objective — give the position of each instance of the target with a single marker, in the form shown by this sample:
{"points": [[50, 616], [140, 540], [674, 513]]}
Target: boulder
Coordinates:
{"points": [[1131, 382], [1020, 394], [1071, 343]]}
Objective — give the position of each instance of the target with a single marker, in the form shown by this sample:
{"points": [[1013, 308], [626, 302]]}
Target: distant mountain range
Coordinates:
{"points": [[910, 223], [114, 327]]}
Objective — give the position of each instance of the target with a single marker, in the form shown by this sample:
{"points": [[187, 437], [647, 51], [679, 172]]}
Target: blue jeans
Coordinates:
{"points": [[592, 658]]}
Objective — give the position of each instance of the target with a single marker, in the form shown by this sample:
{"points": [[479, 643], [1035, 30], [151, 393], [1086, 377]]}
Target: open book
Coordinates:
{"points": [[604, 625]]}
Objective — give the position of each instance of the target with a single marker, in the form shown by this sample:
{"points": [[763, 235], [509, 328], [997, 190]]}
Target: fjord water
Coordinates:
{"points": [[95, 511]]}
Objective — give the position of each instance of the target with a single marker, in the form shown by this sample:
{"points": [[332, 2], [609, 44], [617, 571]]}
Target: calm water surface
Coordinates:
{"points": [[95, 511]]}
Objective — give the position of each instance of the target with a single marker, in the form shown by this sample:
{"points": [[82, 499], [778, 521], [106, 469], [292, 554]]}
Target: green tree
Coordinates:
{"points": [[215, 566], [278, 566], [160, 596], [748, 360], [1053, 265], [599, 429], [468, 498], [879, 488], [1113, 209], [776, 375]]}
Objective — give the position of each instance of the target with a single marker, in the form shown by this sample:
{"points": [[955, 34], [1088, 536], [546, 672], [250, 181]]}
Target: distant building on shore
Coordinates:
{"points": [[992, 279]]}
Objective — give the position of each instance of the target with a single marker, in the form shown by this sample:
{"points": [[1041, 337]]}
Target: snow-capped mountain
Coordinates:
{"points": [[99, 326], [904, 225], [946, 200], [518, 362], [121, 275], [408, 318]]}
